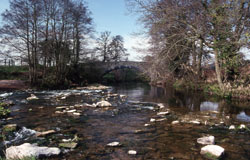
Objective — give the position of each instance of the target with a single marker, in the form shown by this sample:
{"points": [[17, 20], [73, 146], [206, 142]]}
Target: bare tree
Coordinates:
{"points": [[47, 32], [111, 48], [103, 47], [182, 32], [117, 50]]}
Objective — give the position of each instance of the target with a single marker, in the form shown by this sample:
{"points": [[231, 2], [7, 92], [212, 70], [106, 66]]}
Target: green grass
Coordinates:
{"points": [[13, 72], [11, 69], [25, 158]]}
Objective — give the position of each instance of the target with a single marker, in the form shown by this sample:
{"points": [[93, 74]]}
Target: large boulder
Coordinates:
{"points": [[206, 140], [212, 151], [30, 150]]}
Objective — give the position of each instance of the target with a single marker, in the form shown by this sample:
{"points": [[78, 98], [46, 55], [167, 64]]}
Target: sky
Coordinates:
{"points": [[113, 16]]}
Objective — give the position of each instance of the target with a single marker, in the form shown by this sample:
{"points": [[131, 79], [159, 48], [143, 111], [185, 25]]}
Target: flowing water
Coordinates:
{"points": [[125, 121]]}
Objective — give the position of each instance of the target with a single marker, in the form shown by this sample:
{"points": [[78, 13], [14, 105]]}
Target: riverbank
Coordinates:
{"points": [[231, 92], [13, 85]]}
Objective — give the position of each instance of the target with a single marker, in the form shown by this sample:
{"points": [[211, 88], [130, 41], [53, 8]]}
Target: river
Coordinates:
{"points": [[127, 121]]}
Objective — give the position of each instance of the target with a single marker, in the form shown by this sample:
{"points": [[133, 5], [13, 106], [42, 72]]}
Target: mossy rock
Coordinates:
{"points": [[211, 157], [10, 128]]}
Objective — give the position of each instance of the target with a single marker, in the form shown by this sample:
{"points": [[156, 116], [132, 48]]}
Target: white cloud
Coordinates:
{"points": [[137, 46], [246, 52]]}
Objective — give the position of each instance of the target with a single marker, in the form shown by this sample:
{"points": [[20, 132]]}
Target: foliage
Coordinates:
{"points": [[183, 35], [13, 72], [216, 90], [3, 111]]}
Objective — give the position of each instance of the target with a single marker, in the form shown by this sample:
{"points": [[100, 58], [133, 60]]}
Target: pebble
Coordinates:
{"points": [[242, 126], [71, 111], [113, 144], [232, 127], [175, 122], [206, 140], [132, 152], [159, 120], [161, 105], [77, 114], [152, 120], [195, 122], [162, 113]]}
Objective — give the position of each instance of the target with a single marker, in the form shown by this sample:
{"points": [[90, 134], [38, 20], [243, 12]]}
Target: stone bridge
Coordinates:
{"points": [[103, 68]]}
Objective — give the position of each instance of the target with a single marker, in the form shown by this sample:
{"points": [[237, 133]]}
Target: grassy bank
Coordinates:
{"points": [[14, 72], [240, 92]]}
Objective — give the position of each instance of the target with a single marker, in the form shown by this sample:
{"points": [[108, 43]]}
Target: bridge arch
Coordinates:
{"points": [[119, 67]]}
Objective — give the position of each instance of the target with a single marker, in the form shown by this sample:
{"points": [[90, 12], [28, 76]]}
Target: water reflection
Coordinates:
{"points": [[209, 106], [243, 117], [183, 102]]}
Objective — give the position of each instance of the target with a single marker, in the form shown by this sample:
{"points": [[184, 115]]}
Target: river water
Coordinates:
{"points": [[128, 122]]}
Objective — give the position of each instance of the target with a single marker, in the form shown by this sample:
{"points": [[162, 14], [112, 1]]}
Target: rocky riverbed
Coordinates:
{"points": [[100, 122]]}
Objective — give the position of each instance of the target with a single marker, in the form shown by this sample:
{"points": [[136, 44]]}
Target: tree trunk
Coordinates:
{"points": [[199, 59], [217, 70]]}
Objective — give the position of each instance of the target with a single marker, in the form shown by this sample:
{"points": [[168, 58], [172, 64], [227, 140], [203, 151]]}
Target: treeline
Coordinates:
{"points": [[52, 37], [184, 34]]}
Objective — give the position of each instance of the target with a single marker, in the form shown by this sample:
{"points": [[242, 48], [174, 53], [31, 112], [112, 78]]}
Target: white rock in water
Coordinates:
{"points": [[64, 97], [133, 152], [77, 114], [103, 104], [4, 95], [161, 105], [214, 150], [242, 126], [114, 144], [59, 112], [32, 97], [146, 125], [30, 150], [162, 113], [152, 120], [66, 140], [175, 122], [62, 107], [71, 111], [159, 120], [206, 140], [195, 122], [232, 127], [123, 96]]}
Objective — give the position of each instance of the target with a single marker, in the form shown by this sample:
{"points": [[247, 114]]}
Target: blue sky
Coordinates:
{"points": [[112, 15], [108, 15]]}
